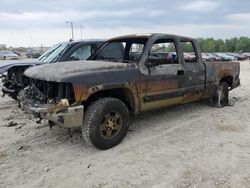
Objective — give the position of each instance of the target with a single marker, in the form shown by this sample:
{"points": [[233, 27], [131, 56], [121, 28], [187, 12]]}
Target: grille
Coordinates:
{"points": [[51, 92]]}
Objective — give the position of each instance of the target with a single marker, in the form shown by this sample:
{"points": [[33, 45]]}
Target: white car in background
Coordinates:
{"points": [[8, 55]]}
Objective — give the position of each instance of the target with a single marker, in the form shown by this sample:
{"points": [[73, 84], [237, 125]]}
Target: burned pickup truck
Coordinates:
{"points": [[126, 76], [12, 71]]}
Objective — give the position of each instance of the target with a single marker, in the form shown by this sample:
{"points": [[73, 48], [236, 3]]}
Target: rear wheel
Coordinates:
{"points": [[105, 123], [221, 97]]}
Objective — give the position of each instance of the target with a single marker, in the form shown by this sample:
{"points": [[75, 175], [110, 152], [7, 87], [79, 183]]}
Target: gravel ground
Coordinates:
{"points": [[191, 145]]}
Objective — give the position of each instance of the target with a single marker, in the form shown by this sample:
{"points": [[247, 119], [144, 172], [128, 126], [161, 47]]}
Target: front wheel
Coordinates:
{"points": [[221, 96], [105, 123]]}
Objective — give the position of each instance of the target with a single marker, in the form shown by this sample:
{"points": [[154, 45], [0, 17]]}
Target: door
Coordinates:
{"points": [[194, 71], [164, 85]]}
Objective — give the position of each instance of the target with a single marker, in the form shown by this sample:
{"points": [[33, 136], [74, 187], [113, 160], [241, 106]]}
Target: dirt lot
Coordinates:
{"points": [[192, 145]]}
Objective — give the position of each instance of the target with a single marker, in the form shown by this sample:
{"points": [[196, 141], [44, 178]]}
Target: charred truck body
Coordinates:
{"points": [[126, 76]]}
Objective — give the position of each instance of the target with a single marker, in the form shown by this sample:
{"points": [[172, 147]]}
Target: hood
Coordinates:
{"points": [[58, 72], [6, 65]]}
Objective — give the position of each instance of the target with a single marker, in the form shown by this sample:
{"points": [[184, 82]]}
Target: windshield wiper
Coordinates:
{"points": [[56, 57]]}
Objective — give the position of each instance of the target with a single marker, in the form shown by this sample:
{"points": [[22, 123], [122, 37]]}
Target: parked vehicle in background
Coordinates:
{"points": [[238, 56], [12, 71], [126, 76], [215, 58], [189, 57], [210, 57], [229, 56], [207, 57], [225, 57], [8, 55], [247, 55], [33, 53]]}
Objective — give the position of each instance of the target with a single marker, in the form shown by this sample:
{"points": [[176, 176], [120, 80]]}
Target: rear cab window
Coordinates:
{"points": [[127, 50], [113, 51]]}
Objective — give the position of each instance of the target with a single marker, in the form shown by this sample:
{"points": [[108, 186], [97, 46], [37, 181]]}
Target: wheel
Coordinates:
{"points": [[221, 97], [105, 123]]}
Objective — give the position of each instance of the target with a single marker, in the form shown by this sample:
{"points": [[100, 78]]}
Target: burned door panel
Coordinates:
{"points": [[165, 83], [159, 88]]}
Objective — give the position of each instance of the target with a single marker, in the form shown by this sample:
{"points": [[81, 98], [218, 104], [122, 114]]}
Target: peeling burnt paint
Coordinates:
{"points": [[62, 71]]}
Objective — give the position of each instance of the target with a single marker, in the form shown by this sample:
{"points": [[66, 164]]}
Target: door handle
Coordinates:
{"points": [[180, 72]]}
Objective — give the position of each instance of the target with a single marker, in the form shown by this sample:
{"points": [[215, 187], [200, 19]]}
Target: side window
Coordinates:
{"points": [[81, 53], [135, 51], [113, 50], [164, 52], [188, 52]]}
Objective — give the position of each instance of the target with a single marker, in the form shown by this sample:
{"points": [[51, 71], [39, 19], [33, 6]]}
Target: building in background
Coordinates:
{"points": [[3, 46]]}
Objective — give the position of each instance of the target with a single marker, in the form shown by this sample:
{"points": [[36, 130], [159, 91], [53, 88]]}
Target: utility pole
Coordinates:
{"points": [[72, 29], [81, 31], [31, 41]]}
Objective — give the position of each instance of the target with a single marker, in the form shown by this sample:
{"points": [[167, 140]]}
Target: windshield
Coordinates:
{"points": [[53, 53], [48, 52], [122, 50]]}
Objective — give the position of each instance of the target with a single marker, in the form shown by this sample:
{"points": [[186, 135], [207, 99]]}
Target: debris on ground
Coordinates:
{"points": [[12, 124]]}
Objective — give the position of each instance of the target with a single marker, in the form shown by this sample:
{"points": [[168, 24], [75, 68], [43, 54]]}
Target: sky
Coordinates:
{"points": [[43, 22]]}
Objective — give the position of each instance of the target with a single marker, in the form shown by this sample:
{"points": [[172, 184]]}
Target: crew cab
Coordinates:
{"points": [[12, 71], [126, 76]]}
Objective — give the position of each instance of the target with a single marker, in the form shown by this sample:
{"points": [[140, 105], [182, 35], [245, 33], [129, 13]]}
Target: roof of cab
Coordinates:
{"points": [[148, 35]]}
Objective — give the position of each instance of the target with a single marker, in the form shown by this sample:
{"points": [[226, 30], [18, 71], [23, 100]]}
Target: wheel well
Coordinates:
{"points": [[123, 94], [228, 80]]}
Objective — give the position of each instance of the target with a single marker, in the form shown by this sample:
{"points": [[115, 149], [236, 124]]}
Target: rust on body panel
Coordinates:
{"points": [[158, 103], [83, 93], [157, 85]]}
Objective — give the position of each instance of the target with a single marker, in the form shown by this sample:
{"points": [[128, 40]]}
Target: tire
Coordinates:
{"points": [[105, 123], [221, 97]]}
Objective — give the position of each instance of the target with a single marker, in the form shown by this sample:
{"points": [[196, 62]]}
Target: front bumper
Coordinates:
{"points": [[66, 117]]}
